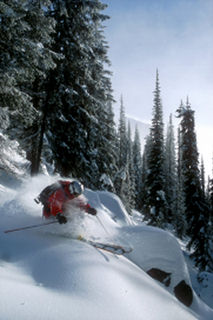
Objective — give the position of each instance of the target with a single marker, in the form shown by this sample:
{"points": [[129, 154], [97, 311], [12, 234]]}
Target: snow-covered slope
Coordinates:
{"points": [[44, 274]]}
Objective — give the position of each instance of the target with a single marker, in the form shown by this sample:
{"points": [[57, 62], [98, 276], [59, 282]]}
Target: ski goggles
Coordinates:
{"points": [[76, 188]]}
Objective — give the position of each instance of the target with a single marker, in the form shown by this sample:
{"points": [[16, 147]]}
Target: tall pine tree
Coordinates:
{"points": [[122, 177], [170, 173], [78, 120], [197, 210], [137, 167], [130, 164], [180, 221], [155, 203], [25, 56]]}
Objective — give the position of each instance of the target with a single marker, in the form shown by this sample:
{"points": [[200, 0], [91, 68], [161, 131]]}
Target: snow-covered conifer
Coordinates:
{"points": [[196, 207], [24, 57], [170, 172], [202, 176], [78, 122], [180, 220], [155, 203], [137, 167], [131, 183], [122, 178], [144, 173]]}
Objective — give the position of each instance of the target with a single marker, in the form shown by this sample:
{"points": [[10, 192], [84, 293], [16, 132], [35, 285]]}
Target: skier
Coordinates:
{"points": [[55, 197]]}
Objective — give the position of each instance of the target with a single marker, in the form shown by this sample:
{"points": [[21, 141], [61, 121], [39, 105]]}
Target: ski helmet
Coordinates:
{"points": [[76, 188]]}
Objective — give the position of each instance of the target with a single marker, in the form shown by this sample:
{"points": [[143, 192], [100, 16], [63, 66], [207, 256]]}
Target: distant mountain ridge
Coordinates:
{"points": [[143, 128]]}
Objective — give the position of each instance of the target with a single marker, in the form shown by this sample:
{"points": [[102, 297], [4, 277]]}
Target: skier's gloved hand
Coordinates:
{"points": [[92, 211], [61, 218]]}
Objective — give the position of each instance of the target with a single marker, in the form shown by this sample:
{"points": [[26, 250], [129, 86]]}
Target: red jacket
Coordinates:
{"points": [[57, 200]]}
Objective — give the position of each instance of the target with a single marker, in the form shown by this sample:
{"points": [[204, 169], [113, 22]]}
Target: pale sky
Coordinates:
{"points": [[175, 36]]}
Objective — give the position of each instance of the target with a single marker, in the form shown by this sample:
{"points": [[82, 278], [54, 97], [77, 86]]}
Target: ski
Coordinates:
{"points": [[112, 248]]}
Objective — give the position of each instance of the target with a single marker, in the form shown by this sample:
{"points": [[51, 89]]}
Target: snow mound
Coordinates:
{"points": [[115, 207], [46, 274]]}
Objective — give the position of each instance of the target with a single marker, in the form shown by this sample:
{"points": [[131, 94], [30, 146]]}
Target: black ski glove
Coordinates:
{"points": [[61, 219], [92, 211]]}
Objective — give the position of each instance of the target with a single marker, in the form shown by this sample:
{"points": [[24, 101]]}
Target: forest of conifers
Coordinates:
{"points": [[56, 101]]}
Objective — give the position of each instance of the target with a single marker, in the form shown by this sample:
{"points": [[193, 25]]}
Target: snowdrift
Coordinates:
{"points": [[45, 274]]}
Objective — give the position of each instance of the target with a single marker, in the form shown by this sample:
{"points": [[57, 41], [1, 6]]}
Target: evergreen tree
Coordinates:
{"points": [[144, 174], [79, 120], [137, 167], [197, 211], [24, 56], [120, 175], [180, 221], [107, 153], [210, 200], [202, 176], [122, 133], [156, 205], [130, 164], [170, 172], [122, 180]]}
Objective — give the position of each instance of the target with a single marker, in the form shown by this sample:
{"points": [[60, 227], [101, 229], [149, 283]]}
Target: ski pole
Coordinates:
{"points": [[30, 227], [102, 225]]}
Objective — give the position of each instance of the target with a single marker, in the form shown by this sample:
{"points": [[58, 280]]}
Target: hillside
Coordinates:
{"points": [[45, 274]]}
